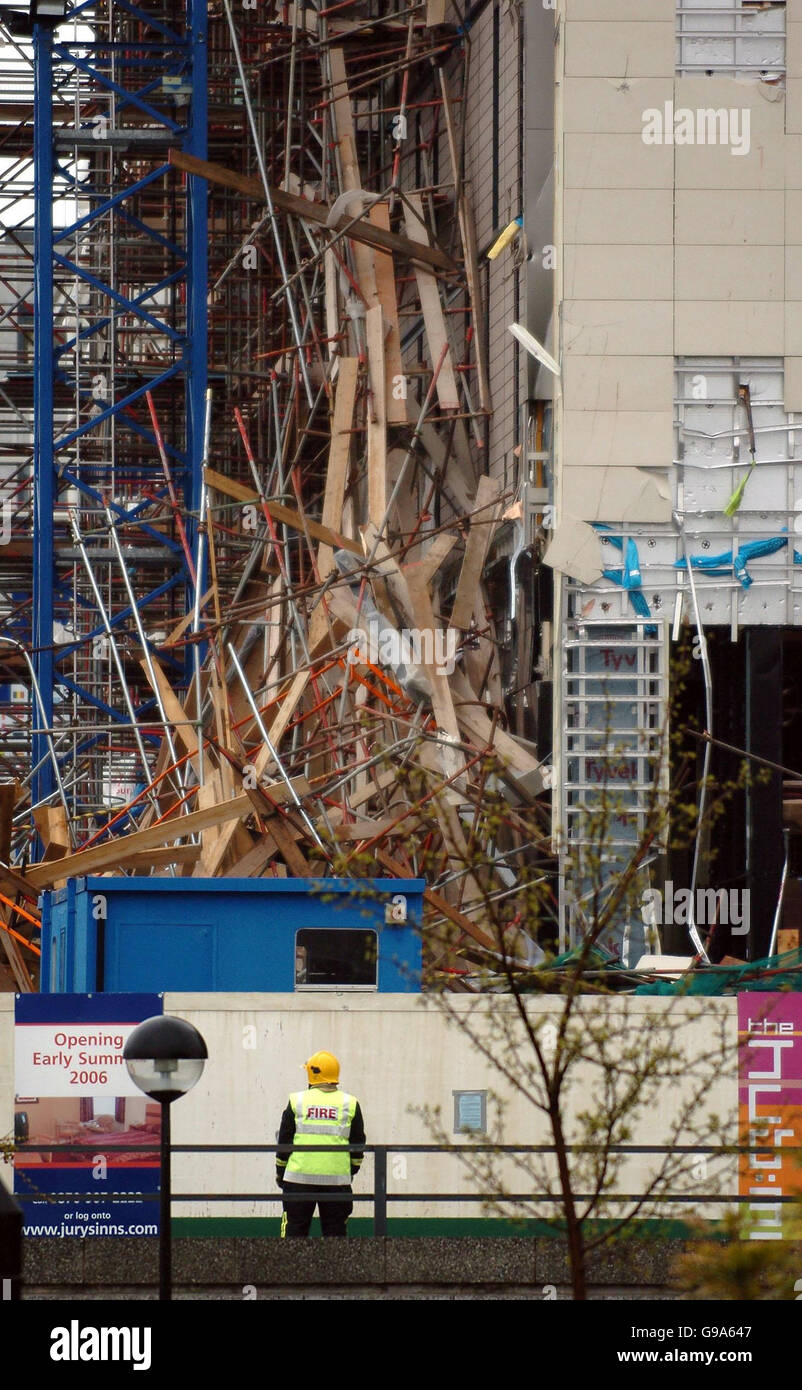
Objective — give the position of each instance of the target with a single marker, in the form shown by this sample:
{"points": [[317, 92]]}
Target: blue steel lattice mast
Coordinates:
{"points": [[120, 319]]}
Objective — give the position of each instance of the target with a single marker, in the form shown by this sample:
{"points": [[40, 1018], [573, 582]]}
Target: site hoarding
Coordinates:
{"points": [[770, 1110], [73, 1091]]}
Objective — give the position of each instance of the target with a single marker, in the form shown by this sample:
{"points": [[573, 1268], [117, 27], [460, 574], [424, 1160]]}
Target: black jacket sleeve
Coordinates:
{"points": [[286, 1134], [357, 1136]]}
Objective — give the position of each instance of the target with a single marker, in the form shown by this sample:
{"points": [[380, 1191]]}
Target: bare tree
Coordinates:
{"points": [[564, 1034]]}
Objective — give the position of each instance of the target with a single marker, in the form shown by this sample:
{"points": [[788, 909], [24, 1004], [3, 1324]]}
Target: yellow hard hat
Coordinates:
{"points": [[322, 1069]]}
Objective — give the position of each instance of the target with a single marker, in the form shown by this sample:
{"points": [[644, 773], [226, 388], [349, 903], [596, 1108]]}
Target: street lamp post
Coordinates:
{"points": [[165, 1057]]}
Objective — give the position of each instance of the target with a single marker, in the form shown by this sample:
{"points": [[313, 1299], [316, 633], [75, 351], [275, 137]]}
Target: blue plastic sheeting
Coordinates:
{"points": [[721, 566], [629, 577]]}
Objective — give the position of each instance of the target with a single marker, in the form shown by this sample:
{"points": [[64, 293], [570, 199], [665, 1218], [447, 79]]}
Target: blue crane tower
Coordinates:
{"points": [[120, 265]]}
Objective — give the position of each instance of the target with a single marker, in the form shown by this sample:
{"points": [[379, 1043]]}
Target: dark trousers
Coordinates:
{"points": [[299, 1201]]}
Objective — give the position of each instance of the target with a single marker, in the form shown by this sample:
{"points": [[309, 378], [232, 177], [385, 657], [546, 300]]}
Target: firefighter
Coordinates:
{"points": [[325, 1115]]}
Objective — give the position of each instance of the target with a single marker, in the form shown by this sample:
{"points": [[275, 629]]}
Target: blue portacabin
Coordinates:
{"points": [[207, 935]]}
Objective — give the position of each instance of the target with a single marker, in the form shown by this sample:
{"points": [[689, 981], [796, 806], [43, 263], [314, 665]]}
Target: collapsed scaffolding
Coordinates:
{"points": [[271, 646]]}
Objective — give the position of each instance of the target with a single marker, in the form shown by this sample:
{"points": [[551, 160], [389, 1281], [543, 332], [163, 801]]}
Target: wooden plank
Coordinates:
{"points": [[431, 308], [12, 883], [230, 487], [377, 422], [480, 660], [279, 512], [388, 569], [332, 304], [51, 823], [455, 488], [210, 794], [484, 519], [366, 829], [263, 758], [222, 723], [343, 121], [426, 568], [158, 858], [342, 617], [446, 807], [371, 789], [435, 13], [459, 919], [395, 404], [286, 844], [283, 832], [479, 728], [318, 213], [14, 956], [163, 798], [336, 478], [177, 715], [255, 861], [405, 514], [103, 856], [439, 903], [339, 450], [176, 633], [289, 705], [442, 703]]}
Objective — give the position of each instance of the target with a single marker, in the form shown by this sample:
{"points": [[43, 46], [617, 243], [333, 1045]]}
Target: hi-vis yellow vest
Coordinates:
{"points": [[321, 1117]]}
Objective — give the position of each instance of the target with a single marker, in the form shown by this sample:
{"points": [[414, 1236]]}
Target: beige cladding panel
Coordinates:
{"points": [[619, 49], [793, 328], [618, 272], [622, 217], [635, 438], [617, 327], [613, 11], [793, 42], [793, 272], [616, 161], [743, 328], [611, 105], [793, 377], [765, 101], [729, 219], [712, 167], [793, 217], [620, 383], [793, 161], [615, 494], [729, 273], [747, 151], [793, 105]]}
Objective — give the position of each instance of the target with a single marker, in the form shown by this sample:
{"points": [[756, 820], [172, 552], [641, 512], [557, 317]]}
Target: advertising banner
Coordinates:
{"points": [[73, 1089], [770, 1109]]}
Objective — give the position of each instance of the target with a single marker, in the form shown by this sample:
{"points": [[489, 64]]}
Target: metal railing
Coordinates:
{"points": [[380, 1197]]}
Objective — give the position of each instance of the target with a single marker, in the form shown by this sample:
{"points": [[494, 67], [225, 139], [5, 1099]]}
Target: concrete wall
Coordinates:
{"points": [[374, 1269], [398, 1053]]}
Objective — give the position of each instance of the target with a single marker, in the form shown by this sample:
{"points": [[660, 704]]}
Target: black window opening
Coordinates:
{"points": [[336, 957]]}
